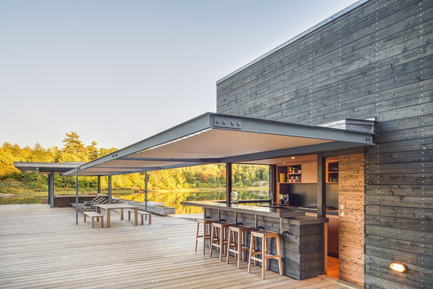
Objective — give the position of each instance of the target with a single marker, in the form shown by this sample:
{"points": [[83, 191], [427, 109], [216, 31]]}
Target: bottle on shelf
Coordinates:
{"points": [[282, 178]]}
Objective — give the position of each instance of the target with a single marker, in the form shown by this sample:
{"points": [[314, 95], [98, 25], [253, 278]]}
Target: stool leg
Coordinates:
{"points": [[196, 236], [150, 219], [204, 237], [93, 222], [211, 239], [244, 242], [254, 250], [84, 217], [229, 245], [263, 257], [251, 253], [239, 249], [129, 215], [142, 220], [279, 254], [222, 235], [102, 222]]}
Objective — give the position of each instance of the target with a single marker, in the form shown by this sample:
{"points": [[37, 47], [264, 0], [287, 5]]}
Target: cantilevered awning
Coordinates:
{"points": [[46, 168], [218, 138]]}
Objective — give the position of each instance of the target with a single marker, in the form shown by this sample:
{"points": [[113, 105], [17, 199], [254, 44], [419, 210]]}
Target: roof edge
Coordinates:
{"points": [[290, 41]]}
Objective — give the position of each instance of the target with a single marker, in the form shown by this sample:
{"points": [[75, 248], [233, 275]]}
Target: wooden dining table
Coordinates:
{"points": [[121, 207]]}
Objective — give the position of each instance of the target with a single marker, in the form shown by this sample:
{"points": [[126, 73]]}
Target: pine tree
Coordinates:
{"points": [[92, 151]]}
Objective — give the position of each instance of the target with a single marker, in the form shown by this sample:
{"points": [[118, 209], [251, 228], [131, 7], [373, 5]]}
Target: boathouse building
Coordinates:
{"points": [[371, 61]]}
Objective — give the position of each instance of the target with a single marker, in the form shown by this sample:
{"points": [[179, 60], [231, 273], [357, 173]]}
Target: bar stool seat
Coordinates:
{"points": [[264, 235], [218, 237], [206, 225], [238, 243]]}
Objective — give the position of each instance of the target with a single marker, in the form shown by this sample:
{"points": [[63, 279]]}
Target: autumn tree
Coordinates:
{"points": [[92, 151], [73, 149]]}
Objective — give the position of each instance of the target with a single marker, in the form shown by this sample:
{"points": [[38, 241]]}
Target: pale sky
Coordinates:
{"points": [[117, 72]]}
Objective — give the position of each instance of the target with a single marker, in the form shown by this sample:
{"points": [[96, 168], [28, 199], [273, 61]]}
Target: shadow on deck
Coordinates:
{"points": [[42, 247]]}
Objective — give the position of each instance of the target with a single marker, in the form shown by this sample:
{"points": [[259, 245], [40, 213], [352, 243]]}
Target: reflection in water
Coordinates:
{"points": [[173, 199]]}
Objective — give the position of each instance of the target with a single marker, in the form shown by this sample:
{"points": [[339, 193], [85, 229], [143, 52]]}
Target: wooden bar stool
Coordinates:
{"points": [[264, 235], [206, 224], [238, 243], [218, 237]]}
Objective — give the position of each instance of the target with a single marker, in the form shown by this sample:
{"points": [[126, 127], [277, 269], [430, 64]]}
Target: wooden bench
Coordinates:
{"points": [[94, 215], [142, 214]]}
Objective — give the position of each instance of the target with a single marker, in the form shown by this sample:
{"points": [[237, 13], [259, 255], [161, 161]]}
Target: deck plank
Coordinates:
{"points": [[43, 248]]}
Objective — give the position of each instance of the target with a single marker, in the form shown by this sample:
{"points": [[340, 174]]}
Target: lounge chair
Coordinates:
{"points": [[91, 205]]}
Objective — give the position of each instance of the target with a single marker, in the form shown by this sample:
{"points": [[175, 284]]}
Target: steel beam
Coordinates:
{"points": [[147, 169], [212, 121], [180, 160], [291, 152], [191, 127]]}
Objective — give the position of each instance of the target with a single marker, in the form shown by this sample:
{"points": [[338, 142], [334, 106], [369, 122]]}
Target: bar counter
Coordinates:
{"points": [[301, 236]]}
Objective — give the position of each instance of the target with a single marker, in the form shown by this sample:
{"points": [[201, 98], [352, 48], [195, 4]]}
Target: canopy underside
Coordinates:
{"points": [[216, 138]]}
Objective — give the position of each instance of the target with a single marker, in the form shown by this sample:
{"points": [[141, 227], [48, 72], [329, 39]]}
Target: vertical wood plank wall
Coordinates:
{"points": [[351, 224], [375, 61]]}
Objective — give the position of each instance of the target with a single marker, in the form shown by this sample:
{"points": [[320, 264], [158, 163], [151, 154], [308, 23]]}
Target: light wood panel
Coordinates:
{"points": [[351, 224], [43, 248]]}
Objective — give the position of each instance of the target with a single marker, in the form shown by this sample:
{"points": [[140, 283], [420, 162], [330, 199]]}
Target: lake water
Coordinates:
{"points": [[173, 199]]}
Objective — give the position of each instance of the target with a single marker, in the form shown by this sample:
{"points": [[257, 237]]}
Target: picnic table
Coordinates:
{"points": [[121, 207]]}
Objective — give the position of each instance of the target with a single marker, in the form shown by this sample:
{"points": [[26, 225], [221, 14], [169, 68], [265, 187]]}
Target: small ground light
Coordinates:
{"points": [[397, 267]]}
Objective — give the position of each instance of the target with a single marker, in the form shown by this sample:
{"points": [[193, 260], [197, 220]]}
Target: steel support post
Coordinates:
{"points": [[109, 188], [273, 184], [51, 189], [145, 192], [321, 186], [228, 184], [76, 196], [99, 185]]}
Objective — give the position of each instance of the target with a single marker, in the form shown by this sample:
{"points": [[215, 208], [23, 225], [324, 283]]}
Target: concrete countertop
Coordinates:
{"points": [[293, 215]]}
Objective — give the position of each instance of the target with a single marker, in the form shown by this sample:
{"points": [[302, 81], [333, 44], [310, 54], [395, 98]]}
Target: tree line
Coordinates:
{"points": [[74, 150]]}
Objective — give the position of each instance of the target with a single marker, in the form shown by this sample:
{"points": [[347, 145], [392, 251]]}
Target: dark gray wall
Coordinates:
{"points": [[374, 61], [301, 257]]}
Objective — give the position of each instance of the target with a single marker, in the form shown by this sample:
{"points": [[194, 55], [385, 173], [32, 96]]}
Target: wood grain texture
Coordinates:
{"points": [[376, 61], [43, 248], [351, 224], [302, 246]]}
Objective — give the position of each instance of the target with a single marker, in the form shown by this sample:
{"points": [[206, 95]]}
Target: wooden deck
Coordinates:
{"points": [[43, 248]]}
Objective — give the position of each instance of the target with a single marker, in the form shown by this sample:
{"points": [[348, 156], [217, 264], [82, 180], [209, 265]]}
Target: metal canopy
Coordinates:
{"points": [[218, 138], [46, 168]]}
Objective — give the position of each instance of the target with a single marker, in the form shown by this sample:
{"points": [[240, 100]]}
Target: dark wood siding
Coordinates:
{"points": [[374, 61], [302, 247]]}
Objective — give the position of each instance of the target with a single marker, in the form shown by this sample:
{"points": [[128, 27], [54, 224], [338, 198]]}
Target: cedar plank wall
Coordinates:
{"points": [[373, 61], [351, 225]]}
